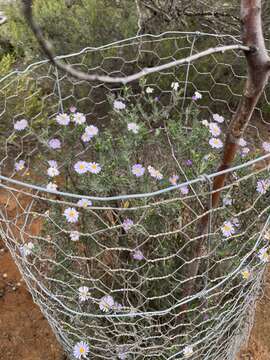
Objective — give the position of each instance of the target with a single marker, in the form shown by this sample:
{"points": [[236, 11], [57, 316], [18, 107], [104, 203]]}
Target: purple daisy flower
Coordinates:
{"points": [[93, 167], [127, 224], [106, 303], [54, 144], [138, 170], [20, 165], [81, 167], [63, 119], [184, 190], [137, 255], [188, 162], [262, 186], [81, 350], [173, 179], [72, 109]]}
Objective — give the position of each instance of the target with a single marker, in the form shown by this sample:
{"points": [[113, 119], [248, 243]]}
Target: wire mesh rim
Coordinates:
{"points": [[201, 178]]}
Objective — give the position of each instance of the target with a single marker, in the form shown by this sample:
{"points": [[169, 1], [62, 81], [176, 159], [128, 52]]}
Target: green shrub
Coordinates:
{"points": [[86, 23]]}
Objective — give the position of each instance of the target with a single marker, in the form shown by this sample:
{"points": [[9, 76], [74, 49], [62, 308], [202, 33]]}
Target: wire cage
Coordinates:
{"points": [[103, 189]]}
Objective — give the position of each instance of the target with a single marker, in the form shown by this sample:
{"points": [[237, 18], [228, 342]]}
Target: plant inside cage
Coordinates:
{"points": [[113, 213]]}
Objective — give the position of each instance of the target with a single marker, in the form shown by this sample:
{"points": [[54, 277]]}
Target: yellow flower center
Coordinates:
{"points": [[94, 166], [82, 167], [246, 274], [72, 213], [81, 350], [227, 227]]}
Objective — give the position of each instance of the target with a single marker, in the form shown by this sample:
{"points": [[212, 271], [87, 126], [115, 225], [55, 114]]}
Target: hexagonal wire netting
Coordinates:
{"points": [[103, 220]]}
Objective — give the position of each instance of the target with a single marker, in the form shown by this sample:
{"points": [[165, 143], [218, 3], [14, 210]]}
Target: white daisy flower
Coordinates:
{"points": [[175, 86], [122, 353], [244, 151], [91, 130], [216, 143], [119, 105], [71, 215], [79, 118], [149, 90], [81, 167], [218, 118], [63, 119], [94, 168], [26, 249], [242, 142], [84, 294], [266, 146], [106, 303], [188, 351], [53, 163], [263, 255], [133, 127], [53, 171], [205, 123], [227, 229], [51, 186], [20, 165], [84, 203], [156, 174], [197, 96], [81, 350], [21, 125], [86, 137], [74, 236], [227, 201], [214, 129]]}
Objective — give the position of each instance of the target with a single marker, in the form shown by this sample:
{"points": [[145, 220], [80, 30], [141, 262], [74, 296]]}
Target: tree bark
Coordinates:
{"points": [[258, 66]]}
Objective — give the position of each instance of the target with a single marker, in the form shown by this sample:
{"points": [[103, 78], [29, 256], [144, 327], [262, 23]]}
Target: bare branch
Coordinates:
{"points": [[47, 48]]}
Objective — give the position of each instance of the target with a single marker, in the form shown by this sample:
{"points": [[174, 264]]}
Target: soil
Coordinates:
{"points": [[258, 347], [24, 332]]}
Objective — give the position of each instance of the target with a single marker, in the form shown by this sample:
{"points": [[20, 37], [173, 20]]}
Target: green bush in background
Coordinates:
{"points": [[70, 25]]}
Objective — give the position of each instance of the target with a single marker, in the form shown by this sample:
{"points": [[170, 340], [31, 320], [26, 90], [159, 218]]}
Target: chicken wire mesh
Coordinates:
{"points": [[104, 186]]}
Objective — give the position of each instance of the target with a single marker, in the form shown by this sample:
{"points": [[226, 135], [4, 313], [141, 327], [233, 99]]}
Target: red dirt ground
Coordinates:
{"points": [[24, 332]]}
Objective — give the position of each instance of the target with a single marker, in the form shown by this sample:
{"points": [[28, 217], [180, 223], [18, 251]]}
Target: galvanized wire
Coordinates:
{"points": [[142, 265]]}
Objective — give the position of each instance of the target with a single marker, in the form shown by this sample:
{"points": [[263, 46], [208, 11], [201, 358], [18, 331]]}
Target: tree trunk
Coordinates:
{"points": [[258, 65]]}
